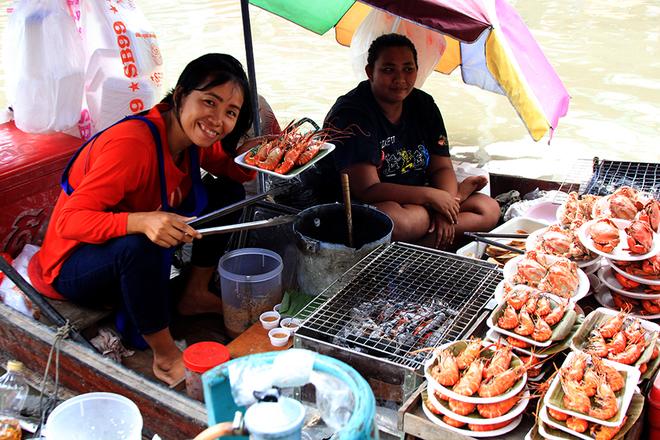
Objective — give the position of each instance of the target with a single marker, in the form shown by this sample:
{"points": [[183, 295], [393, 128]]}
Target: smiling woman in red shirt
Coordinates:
{"points": [[128, 194]]}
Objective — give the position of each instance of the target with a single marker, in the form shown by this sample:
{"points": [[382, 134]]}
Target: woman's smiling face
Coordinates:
{"points": [[207, 116], [393, 74]]}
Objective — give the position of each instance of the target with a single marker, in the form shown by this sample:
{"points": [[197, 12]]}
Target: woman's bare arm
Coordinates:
{"points": [[366, 186]]}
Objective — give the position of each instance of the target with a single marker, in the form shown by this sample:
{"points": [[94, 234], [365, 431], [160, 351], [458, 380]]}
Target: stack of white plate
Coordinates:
{"points": [[435, 407], [609, 285]]}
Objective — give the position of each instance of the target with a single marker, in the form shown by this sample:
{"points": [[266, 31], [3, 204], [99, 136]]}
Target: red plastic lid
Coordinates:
{"points": [[203, 356]]}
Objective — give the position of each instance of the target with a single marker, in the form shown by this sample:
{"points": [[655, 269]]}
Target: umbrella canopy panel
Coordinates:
{"points": [[487, 38]]}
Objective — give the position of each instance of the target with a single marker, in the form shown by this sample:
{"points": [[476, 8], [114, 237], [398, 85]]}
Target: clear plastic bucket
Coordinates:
{"points": [[251, 283], [101, 416]]}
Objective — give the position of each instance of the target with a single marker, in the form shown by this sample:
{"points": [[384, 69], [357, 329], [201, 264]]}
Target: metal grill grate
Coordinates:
{"points": [[406, 277], [610, 175]]}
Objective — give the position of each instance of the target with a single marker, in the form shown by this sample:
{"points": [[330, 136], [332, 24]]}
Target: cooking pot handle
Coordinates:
{"points": [[312, 246]]}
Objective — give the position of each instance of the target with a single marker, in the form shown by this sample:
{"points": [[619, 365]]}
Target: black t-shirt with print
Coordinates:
{"points": [[401, 152]]}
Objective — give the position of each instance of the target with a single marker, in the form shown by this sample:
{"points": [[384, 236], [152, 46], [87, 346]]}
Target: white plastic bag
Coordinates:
{"points": [[10, 294], [45, 66], [463, 170], [123, 61], [430, 45]]}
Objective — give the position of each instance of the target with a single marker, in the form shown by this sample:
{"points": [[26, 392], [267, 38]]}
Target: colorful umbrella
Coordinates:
{"points": [[486, 38]]}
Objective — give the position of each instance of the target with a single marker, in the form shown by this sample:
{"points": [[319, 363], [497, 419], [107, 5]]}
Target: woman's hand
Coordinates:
{"points": [[444, 203], [443, 229], [165, 229]]}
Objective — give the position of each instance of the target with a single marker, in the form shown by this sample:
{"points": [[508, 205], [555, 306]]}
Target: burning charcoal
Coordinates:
{"points": [[405, 339]]}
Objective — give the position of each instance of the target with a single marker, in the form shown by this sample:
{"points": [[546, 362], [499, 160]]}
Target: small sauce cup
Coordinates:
{"points": [[277, 307], [292, 324], [279, 336], [269, 320]]}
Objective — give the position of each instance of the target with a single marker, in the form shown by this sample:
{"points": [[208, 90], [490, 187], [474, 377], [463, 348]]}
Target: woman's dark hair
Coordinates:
{"points": [[386, 41], [206, 72]]}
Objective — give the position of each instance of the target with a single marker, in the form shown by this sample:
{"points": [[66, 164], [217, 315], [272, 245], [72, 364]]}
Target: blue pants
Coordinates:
{"points": [[134, 273]]}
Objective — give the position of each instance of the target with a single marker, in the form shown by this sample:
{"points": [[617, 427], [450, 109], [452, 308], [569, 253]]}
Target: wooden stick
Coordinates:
{"points": [[346, 190]]}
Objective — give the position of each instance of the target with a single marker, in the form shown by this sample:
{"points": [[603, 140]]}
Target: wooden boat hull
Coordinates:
{"points": [[165, 412]]}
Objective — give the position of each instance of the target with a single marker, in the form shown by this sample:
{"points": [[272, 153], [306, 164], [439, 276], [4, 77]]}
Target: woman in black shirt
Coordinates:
{"points": [[398, 155]]}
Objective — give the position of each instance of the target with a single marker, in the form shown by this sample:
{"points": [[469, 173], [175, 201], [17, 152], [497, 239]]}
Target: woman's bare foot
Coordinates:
{"points": [[470, 185], [168, 360], [170, 371], [196, 297]]}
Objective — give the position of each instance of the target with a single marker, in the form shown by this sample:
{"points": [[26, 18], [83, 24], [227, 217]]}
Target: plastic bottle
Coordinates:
{"points": [[13, 390]]}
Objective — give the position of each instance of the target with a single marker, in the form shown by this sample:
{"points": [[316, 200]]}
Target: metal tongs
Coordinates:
{"points": [[480, 236], [279, 220]]}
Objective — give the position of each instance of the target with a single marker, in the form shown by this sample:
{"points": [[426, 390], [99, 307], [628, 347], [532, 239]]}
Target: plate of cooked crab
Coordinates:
{"points": [[626, 203], [624, 240], [576, 209], [562, 242], [548, 273]]}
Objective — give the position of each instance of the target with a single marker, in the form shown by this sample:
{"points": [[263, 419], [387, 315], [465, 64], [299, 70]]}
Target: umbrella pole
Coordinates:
{"points": [[254, 96]]}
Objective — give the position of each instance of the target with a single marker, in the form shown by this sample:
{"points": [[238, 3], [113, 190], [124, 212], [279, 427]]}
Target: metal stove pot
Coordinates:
{"points": [[322, 242]]}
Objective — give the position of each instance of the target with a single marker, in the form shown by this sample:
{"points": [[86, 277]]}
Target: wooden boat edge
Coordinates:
{"points": [[165, 412]]}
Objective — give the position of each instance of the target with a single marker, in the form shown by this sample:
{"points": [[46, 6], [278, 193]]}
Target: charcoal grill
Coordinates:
{"points": [[608, 175], [403, 276]]}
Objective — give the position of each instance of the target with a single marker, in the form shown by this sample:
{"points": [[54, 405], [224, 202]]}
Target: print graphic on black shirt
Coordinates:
{"points": [[399, 160]]}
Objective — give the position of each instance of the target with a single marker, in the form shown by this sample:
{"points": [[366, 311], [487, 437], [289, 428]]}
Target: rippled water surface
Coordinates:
{"points": [[607, 54]]}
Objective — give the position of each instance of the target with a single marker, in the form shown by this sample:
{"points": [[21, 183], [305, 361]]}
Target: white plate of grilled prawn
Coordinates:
{"points": [[532, 316], [467, 429], [483, 413], [475, 371], [592, 389], [618, 337]]}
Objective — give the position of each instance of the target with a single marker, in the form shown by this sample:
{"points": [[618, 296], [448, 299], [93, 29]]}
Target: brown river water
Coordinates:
{"points": [[607, 54]]}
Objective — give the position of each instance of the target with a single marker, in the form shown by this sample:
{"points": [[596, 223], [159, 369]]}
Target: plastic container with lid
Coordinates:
{"points": [[199, 358], [251, 283]]}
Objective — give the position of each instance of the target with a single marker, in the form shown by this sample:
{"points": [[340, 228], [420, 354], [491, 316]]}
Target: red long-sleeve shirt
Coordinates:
{"points": [[113, 176]]}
